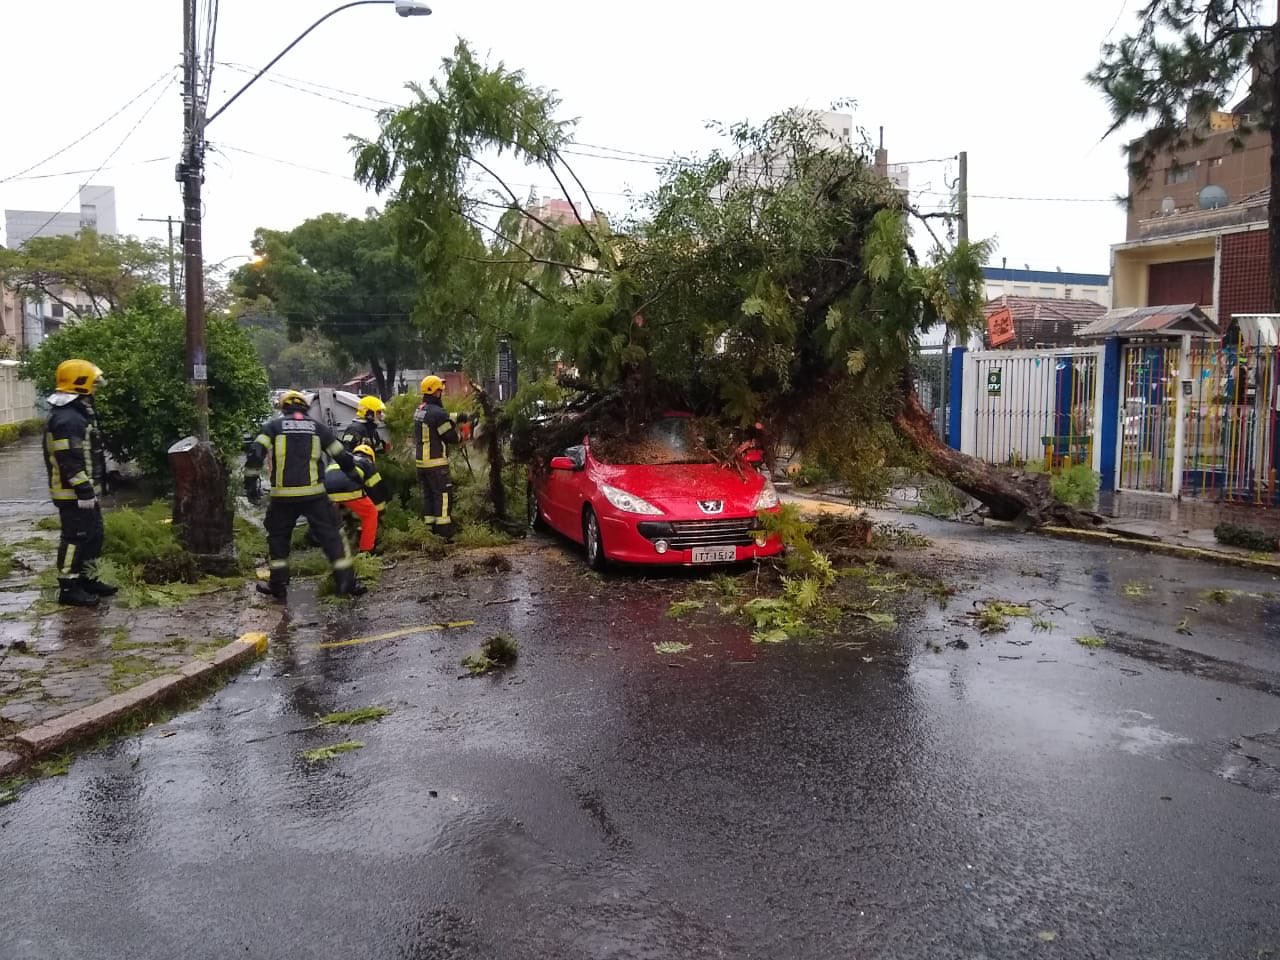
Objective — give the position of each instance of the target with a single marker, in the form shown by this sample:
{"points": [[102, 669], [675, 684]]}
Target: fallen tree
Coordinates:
{"points": [[776, 282]]}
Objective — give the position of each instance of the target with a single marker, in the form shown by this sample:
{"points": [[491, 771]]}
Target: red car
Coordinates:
{"points": [[679, 506]]}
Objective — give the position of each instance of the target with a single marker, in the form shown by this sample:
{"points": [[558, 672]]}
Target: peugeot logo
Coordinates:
{"points": [[711, 506]]}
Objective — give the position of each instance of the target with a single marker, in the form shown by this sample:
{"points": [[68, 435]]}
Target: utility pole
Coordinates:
{"points": [[173, 279], [962, 234], [191, 175]]}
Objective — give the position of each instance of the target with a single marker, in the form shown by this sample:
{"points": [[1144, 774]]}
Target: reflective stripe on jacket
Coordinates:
{"points": [[295, 445], [433, 432], [73, 456]]}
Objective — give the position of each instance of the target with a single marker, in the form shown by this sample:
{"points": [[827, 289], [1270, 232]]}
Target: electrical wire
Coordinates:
{"points": [[146, 113], [84, 136], [75, 173]]}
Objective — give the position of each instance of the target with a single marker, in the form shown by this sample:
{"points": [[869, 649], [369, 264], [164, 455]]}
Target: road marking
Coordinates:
{"points": [[394, 634]]}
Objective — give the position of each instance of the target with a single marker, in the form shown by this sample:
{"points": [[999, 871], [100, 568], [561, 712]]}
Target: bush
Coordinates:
{"points": [[145, 405], [1077, 485], [9, 433], [146, 543], [1251, 538]]}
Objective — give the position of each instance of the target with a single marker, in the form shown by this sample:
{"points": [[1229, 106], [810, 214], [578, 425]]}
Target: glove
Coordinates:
{"points": [[253, 490], [91, 504]]}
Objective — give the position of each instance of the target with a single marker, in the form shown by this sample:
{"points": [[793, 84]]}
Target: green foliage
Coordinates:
{"points": [[105, 272], [145, 405], [496, 652], [1076, 485], [476, 535], [307, 359], [346, 718], [12, 432], [1184, 60], [1251, 538], [940, 499], [1091, 641], [992, 616], [671, 648], [6, 561], [324, 754], [416, 536], [682, 607], [344, 277]]}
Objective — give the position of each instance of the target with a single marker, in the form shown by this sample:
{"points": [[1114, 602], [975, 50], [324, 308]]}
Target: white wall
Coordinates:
{"points": [[17, 397], [1056, 291]]}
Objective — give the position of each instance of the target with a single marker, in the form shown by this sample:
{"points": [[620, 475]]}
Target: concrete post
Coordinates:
{"points": [[1180, 417]]}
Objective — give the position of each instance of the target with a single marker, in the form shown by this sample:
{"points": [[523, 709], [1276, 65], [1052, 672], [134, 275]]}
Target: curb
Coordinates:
{"points": [[28, 746], [1160, 547]]}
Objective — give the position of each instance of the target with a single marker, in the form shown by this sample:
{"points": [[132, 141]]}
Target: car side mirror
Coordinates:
{"points": [[563, 463]]}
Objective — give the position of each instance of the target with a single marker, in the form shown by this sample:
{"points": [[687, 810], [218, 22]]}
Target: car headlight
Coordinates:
{"points": [[628, 502], [768, 498]]}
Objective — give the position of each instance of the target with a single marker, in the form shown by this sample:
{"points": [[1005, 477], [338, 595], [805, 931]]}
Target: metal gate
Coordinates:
{"points": [[1033, 406], [1148, 415]]}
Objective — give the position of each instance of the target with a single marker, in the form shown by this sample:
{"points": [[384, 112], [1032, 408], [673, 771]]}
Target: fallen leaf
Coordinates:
{"points": [[1048, 936]]}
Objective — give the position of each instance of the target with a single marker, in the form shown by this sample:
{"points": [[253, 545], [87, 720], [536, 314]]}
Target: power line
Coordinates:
{"points": [[84, 136], [997, 196], [74, 173], [145, 113]]}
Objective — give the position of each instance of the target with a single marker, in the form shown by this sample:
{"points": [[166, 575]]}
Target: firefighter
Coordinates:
{"points": [[434, 431], [296, 443], [363, 496], [364, 428], [76, 465]]}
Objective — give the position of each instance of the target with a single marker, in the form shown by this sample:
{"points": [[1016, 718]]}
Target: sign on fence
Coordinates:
{"points": [[993, 382]]}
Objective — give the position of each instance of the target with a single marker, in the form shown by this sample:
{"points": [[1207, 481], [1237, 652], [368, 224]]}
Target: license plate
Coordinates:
{"points": [[715, 554]]}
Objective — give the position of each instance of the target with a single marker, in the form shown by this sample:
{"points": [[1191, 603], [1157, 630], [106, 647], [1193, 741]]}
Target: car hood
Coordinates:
{"points": [[684, 481]]}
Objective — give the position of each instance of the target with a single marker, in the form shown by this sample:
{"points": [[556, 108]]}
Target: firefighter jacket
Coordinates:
{"points": [[366, 482], [433, 432], [360, 431], [295, 445], [73, 454]]}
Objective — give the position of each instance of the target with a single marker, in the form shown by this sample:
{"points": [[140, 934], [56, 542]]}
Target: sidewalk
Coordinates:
{"points": [[66, 673], [1135, 521]]}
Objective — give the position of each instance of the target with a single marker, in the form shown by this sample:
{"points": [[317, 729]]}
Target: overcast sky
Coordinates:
{"points": [[992, 77]]}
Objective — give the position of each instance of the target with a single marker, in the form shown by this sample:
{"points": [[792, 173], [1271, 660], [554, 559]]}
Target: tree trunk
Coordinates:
{"points": [[493, 440], [379, 377], [1273, 205], [1007, 494], [201, 507], [387, 390]]}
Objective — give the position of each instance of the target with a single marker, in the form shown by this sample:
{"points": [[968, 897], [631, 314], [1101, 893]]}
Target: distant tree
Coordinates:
{"points": [[1189, 57], [145, 405], [345, 278], [105, 270]]}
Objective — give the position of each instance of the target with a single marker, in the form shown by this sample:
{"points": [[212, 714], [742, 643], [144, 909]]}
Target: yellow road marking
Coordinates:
{"points": [[393, 634]]}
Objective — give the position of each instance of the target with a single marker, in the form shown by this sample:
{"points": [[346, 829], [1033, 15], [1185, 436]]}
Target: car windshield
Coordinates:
{"points": [[670, 440]]}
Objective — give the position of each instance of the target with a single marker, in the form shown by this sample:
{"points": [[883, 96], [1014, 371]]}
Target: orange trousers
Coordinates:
{"points": [[367, 512]]}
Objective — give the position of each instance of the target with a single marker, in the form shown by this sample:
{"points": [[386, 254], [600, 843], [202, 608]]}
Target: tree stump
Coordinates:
{"points": [[201, 505]]}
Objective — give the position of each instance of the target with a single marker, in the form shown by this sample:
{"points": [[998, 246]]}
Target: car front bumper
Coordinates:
{"points": [[687, 542]]}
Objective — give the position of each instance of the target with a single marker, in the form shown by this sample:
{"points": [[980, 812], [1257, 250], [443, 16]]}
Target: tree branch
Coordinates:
{"points": [[533, 258]]}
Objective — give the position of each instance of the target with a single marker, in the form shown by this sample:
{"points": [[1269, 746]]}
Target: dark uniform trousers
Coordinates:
{"points": [[82, 537], [325, 526], [437, 498]]}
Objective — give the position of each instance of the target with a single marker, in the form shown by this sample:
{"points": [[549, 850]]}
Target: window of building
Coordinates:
{"points": [[1021, 291], [55, 311], [1178, 174], [1215, 162], [1067, 293]]}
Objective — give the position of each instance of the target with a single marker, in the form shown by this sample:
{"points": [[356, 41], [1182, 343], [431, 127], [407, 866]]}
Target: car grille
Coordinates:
{"points": [[688, 534]]}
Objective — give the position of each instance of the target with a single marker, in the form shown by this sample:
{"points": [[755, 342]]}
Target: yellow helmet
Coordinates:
{"points": [[293, 398], [77, 376], [432, 385], [365, 450], [370, 406]]}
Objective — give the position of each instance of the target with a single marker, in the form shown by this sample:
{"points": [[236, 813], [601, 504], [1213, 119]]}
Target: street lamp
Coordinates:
{"points": [[200, 480]]}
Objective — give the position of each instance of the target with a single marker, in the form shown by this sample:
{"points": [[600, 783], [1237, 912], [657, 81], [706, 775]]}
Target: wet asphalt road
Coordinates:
{"points": [[805, 800]]}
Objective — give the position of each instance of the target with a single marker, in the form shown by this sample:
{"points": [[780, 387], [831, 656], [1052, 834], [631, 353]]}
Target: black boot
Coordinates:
{"points": [[72, 593], [97, 587], [345, 584], [277, 591]]}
